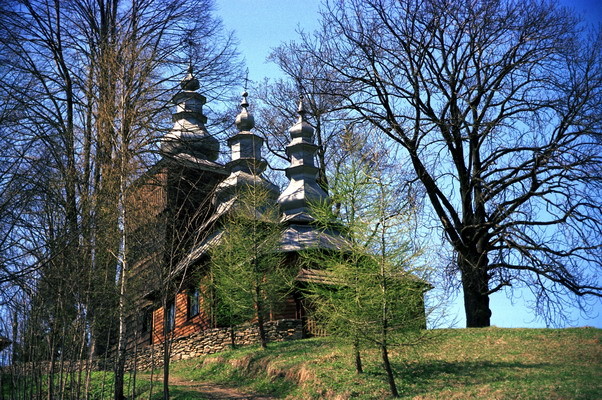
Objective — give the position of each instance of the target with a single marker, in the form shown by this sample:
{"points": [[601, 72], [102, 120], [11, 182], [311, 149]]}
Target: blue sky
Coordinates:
{"points": [[261, 25]]}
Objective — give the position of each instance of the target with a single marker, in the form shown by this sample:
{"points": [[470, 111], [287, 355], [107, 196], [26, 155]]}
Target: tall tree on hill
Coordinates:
{"points": [[497, 105], [374, 291], [249, 276]]}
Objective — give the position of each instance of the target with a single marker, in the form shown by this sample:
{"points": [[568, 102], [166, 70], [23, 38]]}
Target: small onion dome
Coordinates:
{"points": [[244, 120], [189, 136], [302, 128], [190, 82], [303, 189]]}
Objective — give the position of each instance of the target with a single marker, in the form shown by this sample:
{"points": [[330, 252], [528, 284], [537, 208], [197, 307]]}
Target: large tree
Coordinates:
{"points": [[497, 105]]}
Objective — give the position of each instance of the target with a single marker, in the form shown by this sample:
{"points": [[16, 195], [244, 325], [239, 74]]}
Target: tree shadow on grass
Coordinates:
{"points": [[306, 345], [420, 377]]}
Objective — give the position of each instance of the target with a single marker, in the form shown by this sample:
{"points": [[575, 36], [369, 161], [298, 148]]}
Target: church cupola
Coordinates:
{"points": [[245, 145], [189, 137], [246, 164], [303, 189]]}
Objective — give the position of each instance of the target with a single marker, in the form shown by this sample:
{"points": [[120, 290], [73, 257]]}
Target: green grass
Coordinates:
{"points": [[101, 386], [487, 363]]}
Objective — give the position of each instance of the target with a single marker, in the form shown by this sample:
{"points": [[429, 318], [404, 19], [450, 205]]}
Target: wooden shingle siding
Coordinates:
{"points": [[184, 326], [288, 310]]}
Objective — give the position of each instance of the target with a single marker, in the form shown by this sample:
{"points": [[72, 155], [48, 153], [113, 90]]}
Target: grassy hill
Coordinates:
{"points": [[490, 363]]}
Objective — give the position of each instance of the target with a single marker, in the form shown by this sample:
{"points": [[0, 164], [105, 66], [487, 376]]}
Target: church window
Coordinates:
{"points": [[193, 302], [171, 316]]}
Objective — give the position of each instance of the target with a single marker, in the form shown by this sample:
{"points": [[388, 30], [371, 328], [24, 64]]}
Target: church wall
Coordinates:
{"points": [[208, 341], [184, 324], [289, 309]]}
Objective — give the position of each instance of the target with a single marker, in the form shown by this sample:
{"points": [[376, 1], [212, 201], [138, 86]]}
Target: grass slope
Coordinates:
{"points": [[487, 363]]}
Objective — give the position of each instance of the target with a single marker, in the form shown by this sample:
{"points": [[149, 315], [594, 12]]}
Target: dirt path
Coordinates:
{"points": [[214, 391]]}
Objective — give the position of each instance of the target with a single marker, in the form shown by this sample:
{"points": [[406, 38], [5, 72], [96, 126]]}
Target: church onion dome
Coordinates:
{"points": [[246, 146], [246, 164], [302, 129], [303, 189], [190, 83], [244, 120], [189, 137]]}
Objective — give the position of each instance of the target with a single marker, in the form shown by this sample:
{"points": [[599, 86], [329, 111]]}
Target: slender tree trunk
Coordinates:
{"points": [[121, 347], [165, 369], [51, 372], [120, 368], [390, 377], [15, 326], [135, 366], [358, 357], [260, 323], [259, 308], [475, 283], [232, 337], [14, 352], [384, 286], [81, 364], [91, 352], [61, 383], [166, 351], [152, 375]]}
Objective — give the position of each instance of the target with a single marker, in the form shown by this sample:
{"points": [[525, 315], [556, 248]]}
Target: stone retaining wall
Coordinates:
{"points": [[214, 340]]}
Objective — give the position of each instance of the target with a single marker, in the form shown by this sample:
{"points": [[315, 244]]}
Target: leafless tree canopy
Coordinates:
{"points": [[85, 90], [275, 112], [498, 107]]}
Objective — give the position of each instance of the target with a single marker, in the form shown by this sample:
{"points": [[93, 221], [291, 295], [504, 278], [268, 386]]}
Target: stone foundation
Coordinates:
{"points": [[214, 340]]}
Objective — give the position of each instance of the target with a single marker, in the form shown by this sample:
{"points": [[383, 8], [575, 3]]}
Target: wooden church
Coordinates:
{"points": [[177, 206]]}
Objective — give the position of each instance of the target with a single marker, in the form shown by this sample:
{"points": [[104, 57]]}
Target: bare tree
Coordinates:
{"points": [[323, 104], [497, 105], [86, 85]]}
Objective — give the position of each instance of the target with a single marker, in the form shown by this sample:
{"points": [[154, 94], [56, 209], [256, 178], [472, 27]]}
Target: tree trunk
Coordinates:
{"points": [[358, 357], [166, 353], [122, 341], [121, 349], [119, 374], [260, 322], [50, 395], [389, 370], [89, 367], [259, 309], [135, 371], [232, 337], [475, 283]]}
